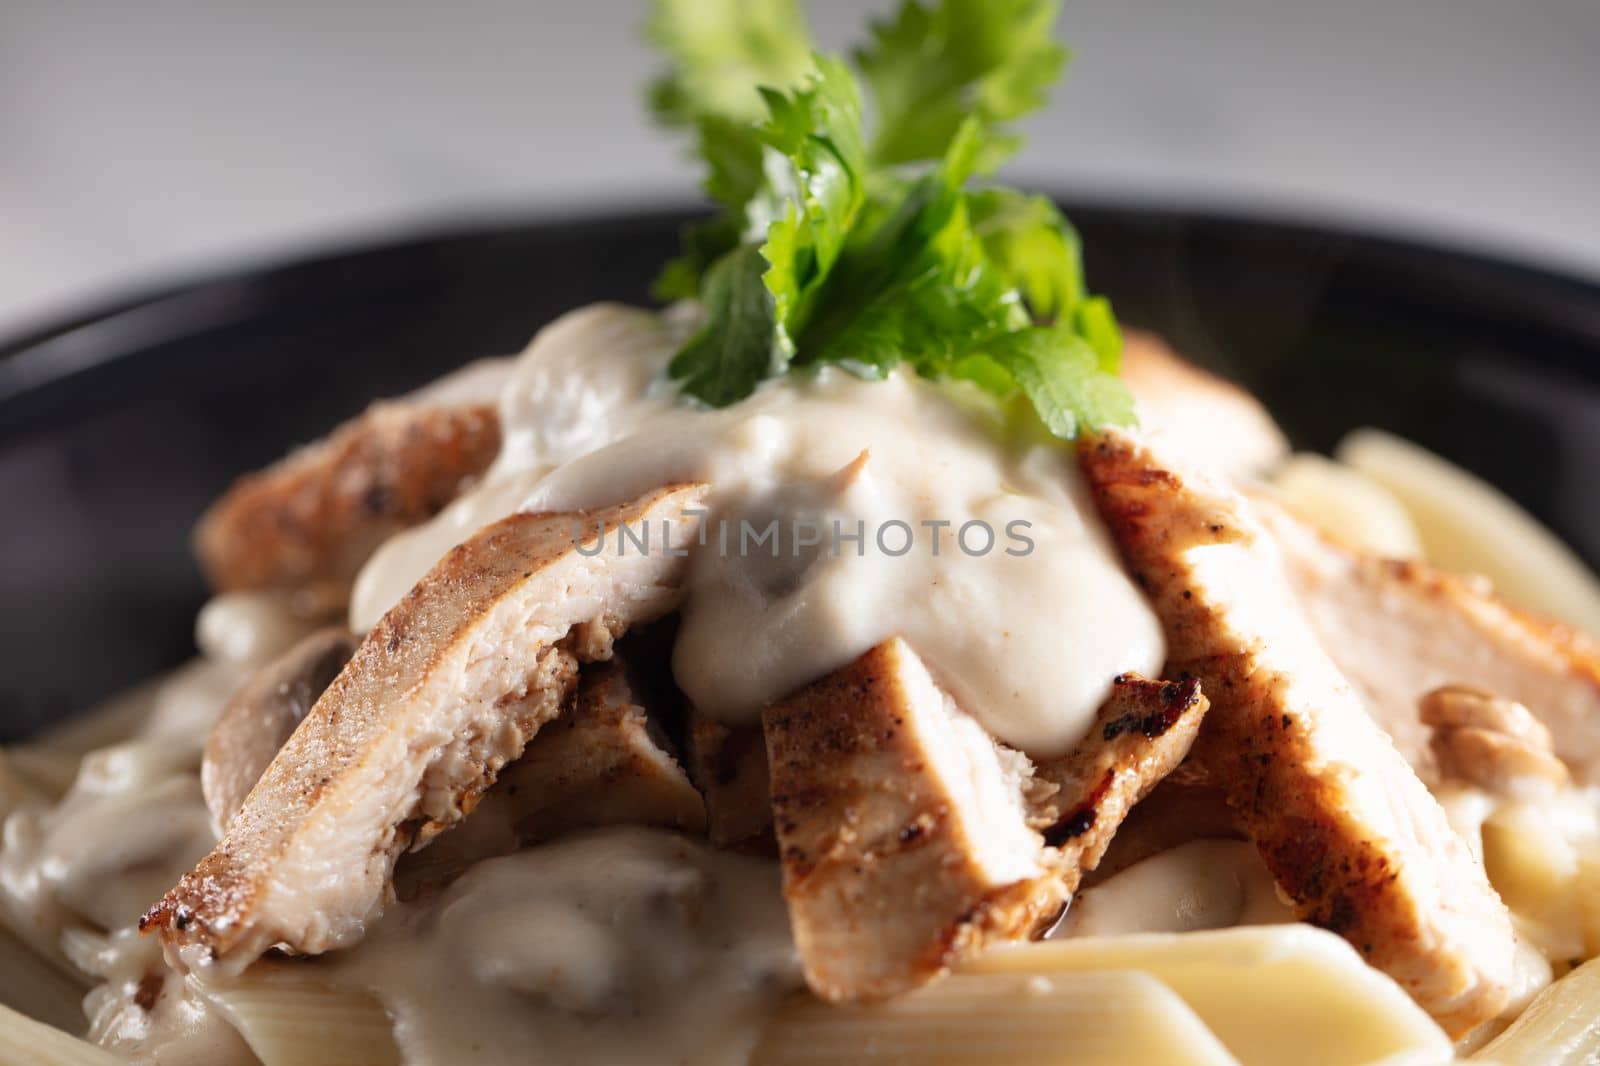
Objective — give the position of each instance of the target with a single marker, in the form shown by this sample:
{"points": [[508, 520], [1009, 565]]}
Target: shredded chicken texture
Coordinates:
{"points": [[447, 689], [910, 838], [309, 521], [1346, 827], [1400, 629]]}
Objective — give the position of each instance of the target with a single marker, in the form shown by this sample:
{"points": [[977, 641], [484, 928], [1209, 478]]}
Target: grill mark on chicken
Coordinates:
{"points": [[1141, 733], [900, 827], [445, 690], [909, 837], [1344, 824], [310, 520]]}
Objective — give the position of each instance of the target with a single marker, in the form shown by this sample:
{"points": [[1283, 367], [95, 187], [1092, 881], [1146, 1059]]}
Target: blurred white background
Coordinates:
{"points": [[145, 141]]}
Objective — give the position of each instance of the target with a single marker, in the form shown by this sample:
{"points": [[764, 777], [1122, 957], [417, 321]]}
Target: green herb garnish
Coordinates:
{"points": [[863, 250]]}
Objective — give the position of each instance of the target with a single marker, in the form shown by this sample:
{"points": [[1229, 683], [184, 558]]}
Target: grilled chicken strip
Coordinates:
{"points": [[1346, 827], [909, 837], [601, 762], [730, 766], [1222, 427], [310, 520], [901, 828], [1142, 732], [444, 691], [262, 715], [1399, 630]]}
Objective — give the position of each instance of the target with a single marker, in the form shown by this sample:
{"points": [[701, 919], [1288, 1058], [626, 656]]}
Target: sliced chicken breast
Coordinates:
{"points": [[901, 827], [445, 691], [1223, 428], [1142, 732], [729, 763], [910, 837], [603, 763], [310, 520], [1347, 828], [1400, 629], [263, 714]]}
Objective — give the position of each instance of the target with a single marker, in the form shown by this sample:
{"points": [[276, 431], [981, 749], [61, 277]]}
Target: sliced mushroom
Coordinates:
{"points": [[1344, 824], [262, 714], [447, 689]]}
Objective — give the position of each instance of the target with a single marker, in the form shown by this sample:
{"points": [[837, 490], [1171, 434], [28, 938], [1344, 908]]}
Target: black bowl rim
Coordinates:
{"points": [[104, 329]]}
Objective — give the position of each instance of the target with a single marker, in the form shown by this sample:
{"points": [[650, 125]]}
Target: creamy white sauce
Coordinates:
{"points": [[130, 825], [984, 554], [249, 628], [1204, 884], [76, 876], [625, 945]]}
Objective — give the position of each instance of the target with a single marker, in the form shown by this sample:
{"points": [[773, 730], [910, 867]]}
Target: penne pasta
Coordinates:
{"points": [[1561, 1027], [1347, 505], [112, 722], [25, 1042], [291, 1018], [1536, 872], [1272, 994], [37, 987], [1060, 1019], [44, 773], [1469, 526]]}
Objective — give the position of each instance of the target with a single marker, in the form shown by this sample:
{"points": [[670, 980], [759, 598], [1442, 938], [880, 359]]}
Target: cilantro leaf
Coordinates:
{"points": [[815, 163], [1032, 246], [1060, 374], [721, 52], [931, 68], [734, 351], [828, 251]]}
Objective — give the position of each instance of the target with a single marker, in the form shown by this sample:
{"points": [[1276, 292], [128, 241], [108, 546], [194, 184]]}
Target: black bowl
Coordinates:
{"points": [[117, 428]]}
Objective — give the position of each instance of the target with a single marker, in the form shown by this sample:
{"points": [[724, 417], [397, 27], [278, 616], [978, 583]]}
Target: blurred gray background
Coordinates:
{"points": [[145, 141]]}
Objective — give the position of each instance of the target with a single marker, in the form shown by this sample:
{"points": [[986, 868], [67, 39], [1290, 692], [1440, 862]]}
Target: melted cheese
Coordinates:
{"points": [[843, 512]]}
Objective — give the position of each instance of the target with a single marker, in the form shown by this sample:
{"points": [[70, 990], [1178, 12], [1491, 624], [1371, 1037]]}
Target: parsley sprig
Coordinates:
{"points": [[872, 249]]}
